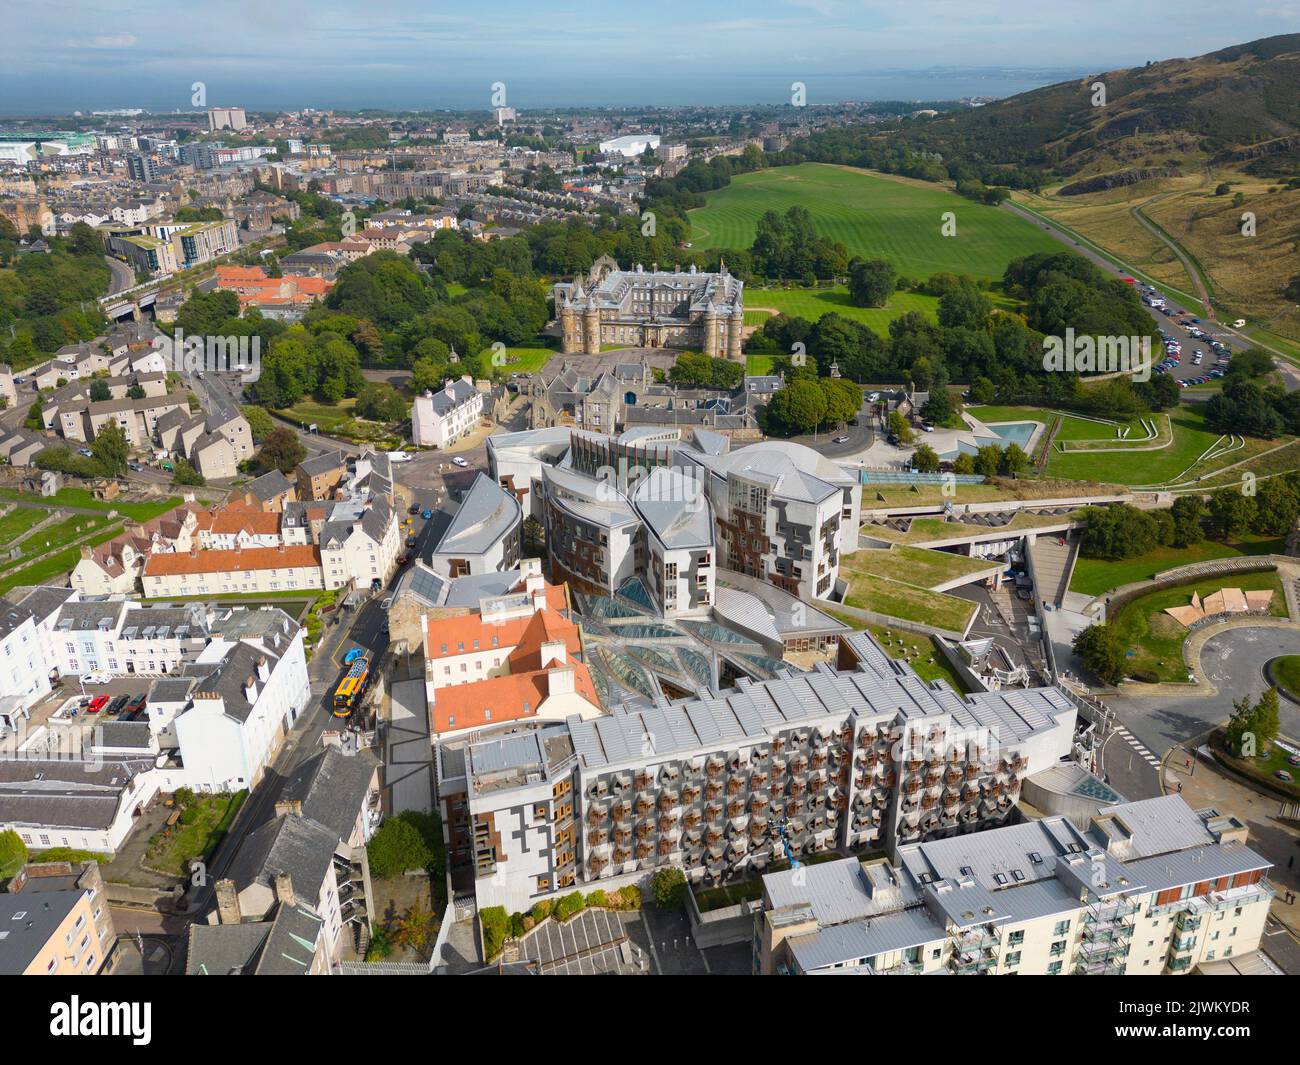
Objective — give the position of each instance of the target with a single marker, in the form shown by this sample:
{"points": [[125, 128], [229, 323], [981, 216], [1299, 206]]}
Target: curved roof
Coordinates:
{"points": [[803, 458], [487, 514]]}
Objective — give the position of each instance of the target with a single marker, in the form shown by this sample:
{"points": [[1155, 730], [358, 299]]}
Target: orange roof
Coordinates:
{"points": [[546, 626], [458, 633], [240, 273], [245, 519], [298, 556], [508, 698]]}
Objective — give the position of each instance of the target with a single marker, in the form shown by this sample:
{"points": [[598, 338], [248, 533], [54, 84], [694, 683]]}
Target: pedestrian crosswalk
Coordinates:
{"points": [[1136, 744]]}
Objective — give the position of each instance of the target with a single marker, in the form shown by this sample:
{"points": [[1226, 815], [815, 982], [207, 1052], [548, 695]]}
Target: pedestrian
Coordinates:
{"points": [[1180, 787]]}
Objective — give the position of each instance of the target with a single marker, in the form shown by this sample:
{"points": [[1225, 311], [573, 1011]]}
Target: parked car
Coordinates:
{"points": [[97, 704], [414, 508], [138, 703], [426, 514], [840, 440], [118, 704], [458, 461], [411, 540], [402, 560]]}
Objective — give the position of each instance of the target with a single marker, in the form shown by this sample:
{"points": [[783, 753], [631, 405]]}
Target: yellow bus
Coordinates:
{"points": [[351, 687]]}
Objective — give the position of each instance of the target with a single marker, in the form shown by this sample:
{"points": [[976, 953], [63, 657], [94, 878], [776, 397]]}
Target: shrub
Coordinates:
{"points": [[630, 897], [13, 853], [568, 906], [599, 899], [543, 910], [516, 925], [494, 923]]}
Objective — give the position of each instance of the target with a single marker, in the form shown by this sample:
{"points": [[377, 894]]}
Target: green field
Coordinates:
{"points": [[1154, 640], [923, 530], [875, 217], [18, 521], [1191, 439], [918, 565], [528, 357], [1093, 576], [813, 303], [58, 535], [1286, 672]]}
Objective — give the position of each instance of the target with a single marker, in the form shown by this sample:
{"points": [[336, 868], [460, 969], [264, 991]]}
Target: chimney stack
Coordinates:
{"points": [[284, 889], [228, 903], [288, 807], [250, 690], [263, 670], [560, 681]]}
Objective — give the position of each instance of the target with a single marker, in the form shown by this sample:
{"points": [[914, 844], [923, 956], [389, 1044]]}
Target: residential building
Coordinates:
{"points": [[359, 543], [271, 491], [58, 926], [226, 118], [320, 476], [1146, 888], [115, 567], [258, 569], [868, 757], [483, 535], [440, 418]]}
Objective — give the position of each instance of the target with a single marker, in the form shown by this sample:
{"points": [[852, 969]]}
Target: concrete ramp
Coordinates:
{"points": [[1052, 564]]}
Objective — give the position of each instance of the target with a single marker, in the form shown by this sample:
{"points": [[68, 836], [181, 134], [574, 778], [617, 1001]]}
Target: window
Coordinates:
{"points": [[1016, 938], [1061, 928], [1054, 968], [1013, 958]]}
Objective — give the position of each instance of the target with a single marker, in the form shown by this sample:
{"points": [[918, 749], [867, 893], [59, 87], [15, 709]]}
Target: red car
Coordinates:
{"points": [[97, 704]]}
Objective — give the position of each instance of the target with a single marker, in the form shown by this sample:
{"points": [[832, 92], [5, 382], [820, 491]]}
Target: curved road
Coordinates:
{"points": [[120, 276]]}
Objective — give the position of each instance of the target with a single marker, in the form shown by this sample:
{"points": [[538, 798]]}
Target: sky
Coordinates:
{"points": [[62, 55]]}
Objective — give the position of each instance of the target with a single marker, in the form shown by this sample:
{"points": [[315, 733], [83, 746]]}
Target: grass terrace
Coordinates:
{"points": [[1094, 576], [922, 567], [58, 535], [908, 602], [18, 521], [202, 825], [1155, 640], [85, 500], [925, 530]]}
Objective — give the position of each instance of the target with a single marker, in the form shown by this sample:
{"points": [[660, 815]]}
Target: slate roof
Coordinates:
{"points": [[332, 787], [486, 515], [282, 946], [294, 845]]}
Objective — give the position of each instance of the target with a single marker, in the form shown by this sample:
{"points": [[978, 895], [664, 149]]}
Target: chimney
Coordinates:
{"points": [[263, 670], [284, 889], [288, 807], [554, 651], [539, 601], [228, 903], [250, 690], [560, 681], [86, 552], [534, 583]]}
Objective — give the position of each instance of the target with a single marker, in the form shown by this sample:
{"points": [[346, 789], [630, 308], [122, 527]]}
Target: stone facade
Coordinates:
{"points": [[654, 308]]}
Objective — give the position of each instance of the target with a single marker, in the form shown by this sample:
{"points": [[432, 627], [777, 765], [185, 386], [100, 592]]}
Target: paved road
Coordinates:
{"points": [[860, 437], [1172, 325], [1234, 661], [121, 277]]}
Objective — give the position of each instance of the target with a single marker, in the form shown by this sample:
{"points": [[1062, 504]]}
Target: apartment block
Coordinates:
{"points": [[1145, 888], [865, 757]]}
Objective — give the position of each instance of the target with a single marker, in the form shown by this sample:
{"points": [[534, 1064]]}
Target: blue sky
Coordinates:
{"points": [[63, 54]]}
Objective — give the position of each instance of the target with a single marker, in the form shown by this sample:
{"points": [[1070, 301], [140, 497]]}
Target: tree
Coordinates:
{"points": [[925, 459], [1013, 460], [871, 281], [1253, 727], [13, 854], [381, 402], [1102, 652], [668, 887], [983, 392], [281, 450], [938, 407], [99, 391], [964, 463], [111, 449], [1118, 531], [899, 427], [184, 473], [988, 460], [397, 847], [1231, 513], [34, 420], [260, 423], [1187, 512]]}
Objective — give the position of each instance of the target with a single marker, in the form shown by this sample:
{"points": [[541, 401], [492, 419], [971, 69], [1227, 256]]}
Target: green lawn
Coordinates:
{"points": [[83, 498], [1154, 640], [1286, 672], [1191, 439], [201, 827], [1072, 428], [1093, 576], [812, 303], [874, 217], [58, 565], [908, 602], [920, 566], [325, 416], [528, 357], [920, 653], [926, 529], [759, 365], [18, 521]]}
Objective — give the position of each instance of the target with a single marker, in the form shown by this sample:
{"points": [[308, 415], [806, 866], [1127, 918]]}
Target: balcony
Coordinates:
{"points": [[970, 962]]}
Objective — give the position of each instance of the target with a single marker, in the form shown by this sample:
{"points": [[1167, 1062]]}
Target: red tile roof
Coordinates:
{"points": [[297, 556]]}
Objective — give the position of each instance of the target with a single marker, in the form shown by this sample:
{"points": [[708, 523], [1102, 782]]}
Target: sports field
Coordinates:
{"points": [[875, 217]]}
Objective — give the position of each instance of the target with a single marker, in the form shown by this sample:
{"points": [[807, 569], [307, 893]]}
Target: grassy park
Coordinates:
{"points": [[873, 216], [1093, 576], [922, 567], [1154, 640]]}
